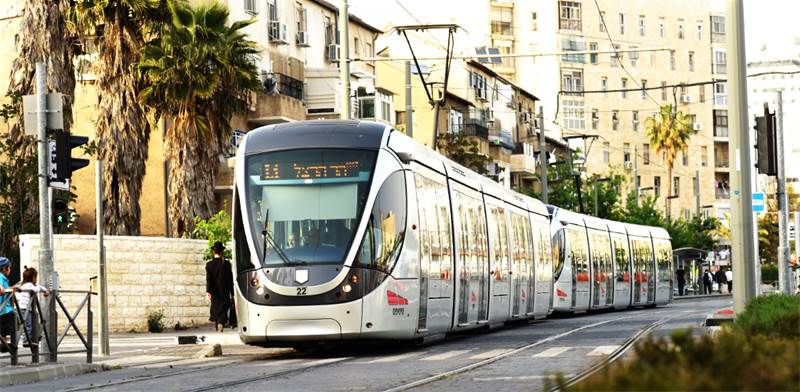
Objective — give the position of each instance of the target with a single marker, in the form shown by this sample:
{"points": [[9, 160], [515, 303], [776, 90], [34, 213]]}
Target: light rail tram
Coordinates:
{"points": [[352, 230]]}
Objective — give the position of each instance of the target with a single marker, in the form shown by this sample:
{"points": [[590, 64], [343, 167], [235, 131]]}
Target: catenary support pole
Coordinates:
{"points": [[784, 274], [697, 192], [542, 155], [741, 197], [344, 60], [101, 261], [796, 246], [409, 106], [636, 184]]}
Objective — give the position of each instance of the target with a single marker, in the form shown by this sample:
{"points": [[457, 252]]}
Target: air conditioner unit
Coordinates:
{"points": [[628, 165], [278, 32], [697, 126], [686, 98], [332, 52], [302, 38]]}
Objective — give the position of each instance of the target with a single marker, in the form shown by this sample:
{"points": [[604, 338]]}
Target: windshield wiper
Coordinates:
{"points": [[269, 240]]}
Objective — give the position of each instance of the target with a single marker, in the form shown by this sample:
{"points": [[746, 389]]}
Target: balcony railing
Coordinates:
{"points": [[721, 163], [476, 128], [289, 86], [723, 193], [570, 24], [501, 138]]}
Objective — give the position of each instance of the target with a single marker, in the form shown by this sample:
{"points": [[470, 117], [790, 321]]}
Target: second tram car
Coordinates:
{"points": [[351, 230]]}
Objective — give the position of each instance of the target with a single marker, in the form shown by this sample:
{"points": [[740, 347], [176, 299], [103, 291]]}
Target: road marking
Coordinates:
{"points": [[280, 362], [511, 378], [602, 350], [447, 355], [326, 361], [395, 358], [551, 352], [490, 353]]}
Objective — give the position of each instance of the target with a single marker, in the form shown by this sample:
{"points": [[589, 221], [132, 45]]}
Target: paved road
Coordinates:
{"points": [[513, 358]]}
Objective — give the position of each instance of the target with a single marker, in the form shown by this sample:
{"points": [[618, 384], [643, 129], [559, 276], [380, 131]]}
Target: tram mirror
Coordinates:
{"points": [[405, 157]]}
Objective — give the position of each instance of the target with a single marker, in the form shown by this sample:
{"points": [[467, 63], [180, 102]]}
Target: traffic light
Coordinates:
{"points": [[61, 213], [766, 150], [65, 163]]}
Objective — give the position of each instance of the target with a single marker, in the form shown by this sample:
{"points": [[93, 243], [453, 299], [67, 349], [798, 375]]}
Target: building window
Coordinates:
{"points": [[676, 186], [657, 186], [502, 20], [623, 86], [272, 11], [691, 61], [644, 88], [602, 21], [368, 50], [634, 53], [622, 24], [574, 117], [603, 85], [572, 81], [720, 61], [646, 154], [626, 152], [606, 153], [685, 156], [250, 7], [478, 84], [595, 118], [721, 123], [635, 121], [614, 120], [302, 24], [680, 28], [570, 12], [663, 91], [573, 43], [455, 121], [356, 47], [641, 25], [593, 56], [701, 90], [672, 60], [661, 27], [720, 93], [699, 30], [718, 25], [616, 56], [703, 156], [534, 22]]}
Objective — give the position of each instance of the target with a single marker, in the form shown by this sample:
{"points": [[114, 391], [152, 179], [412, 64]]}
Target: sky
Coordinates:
{"points": [[772, 22]]}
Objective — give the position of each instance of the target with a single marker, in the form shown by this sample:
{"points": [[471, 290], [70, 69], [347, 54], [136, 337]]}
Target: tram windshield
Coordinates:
{"points": [[307, 202]]}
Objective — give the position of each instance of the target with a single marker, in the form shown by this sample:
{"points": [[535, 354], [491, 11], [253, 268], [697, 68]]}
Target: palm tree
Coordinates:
{"points": [[122, 128], [199, 72], [669, 134]]}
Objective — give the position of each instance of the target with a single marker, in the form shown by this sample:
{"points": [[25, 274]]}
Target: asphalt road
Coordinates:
{"points": [[513, 358]]}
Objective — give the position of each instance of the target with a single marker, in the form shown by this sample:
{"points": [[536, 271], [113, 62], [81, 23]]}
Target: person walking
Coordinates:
{"points": [[719, 279], [8, 321], [219, 287], [729, 278], [707, 282], [30, 284], [680, 275]]}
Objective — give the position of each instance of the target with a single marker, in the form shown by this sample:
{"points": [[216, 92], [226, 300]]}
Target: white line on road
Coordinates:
{"points": [[490, 353], [511, 378], [447, 355], [395, 358], [551, 352], [602, 350]]}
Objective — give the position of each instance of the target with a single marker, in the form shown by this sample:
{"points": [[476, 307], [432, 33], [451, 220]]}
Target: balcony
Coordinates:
{"points": [[501, 138], [721, 165], [523, 161], [476, 128], [570, 24], [722, 194], [284, 103]]}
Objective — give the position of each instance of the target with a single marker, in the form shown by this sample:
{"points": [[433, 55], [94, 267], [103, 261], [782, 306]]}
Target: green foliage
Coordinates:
{"points": [[459, 147], [643, 213], [776, 315], [216, 228], [155, 321], [769, 272]]}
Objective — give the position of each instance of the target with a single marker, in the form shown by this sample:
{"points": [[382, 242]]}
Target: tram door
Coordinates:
{"points": [[522, 259], [435, 255], [543, 270], [579, 251], [602, 291], [622, 291], [644, 281], [500, 279], [472, 258]]}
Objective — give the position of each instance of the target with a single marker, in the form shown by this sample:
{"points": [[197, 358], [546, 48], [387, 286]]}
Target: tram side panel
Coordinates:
{"points": [[521, 254], [664, 282], [601, 279], [543, 268], [622, 270], [499, 305]]}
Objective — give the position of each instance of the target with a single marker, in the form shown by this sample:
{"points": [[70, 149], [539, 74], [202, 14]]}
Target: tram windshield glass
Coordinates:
{"points": [[307, 202]]}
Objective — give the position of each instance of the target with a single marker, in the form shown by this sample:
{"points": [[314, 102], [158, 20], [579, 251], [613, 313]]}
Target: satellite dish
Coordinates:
{"points": [[270, 84]]}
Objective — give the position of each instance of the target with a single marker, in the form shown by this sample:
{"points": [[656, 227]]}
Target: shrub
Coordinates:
{"points": [[155, 321], [769, 272], [771, 315], [216, 228]]}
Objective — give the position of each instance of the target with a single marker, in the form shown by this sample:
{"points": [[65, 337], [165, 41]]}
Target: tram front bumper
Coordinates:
{"points": [[261, 324]]}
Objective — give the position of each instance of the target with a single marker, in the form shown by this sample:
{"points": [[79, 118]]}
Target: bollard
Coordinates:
{"points": [[36, 327], [89, 327], [52, 327]]}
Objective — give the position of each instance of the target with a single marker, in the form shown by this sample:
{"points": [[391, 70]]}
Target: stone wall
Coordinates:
{"points": [[145, 274]]}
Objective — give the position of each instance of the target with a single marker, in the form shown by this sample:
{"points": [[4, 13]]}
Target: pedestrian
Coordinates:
{"points": [[707, 282], [30, 284], [8, 321], [719, 279], [219, 286], [729, 278], [680, 275]]}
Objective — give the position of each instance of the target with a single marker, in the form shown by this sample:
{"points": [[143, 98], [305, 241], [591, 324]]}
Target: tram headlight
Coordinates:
{"points": [[354, 279], [260, 290], [254, 281], [346, 288]]}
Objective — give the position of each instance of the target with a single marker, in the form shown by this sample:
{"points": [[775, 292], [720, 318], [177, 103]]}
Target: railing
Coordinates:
{"points": [[476, 128], [39, 326], [721, 163]]}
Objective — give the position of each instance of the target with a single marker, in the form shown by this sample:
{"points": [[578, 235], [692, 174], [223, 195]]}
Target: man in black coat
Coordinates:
{"points": [[219, 287], [719, 278], [707, 282], [680, 274]]}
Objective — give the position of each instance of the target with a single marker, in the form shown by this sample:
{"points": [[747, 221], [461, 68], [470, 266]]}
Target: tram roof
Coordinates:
{"points": [[316, 134]]}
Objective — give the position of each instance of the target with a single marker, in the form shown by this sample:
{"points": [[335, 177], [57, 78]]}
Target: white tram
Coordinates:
{"points": [[351, 230]]}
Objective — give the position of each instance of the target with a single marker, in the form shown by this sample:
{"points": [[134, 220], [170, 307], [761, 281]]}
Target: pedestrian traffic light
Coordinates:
{"points": [[65, 164], [60, 213], [766, 151]]}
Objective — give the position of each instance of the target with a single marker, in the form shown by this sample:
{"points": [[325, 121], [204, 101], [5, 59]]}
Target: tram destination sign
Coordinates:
{"points": [[286, 170]]}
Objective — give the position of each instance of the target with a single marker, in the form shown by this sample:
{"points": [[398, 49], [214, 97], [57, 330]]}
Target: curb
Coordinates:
{"points": [[31, 374], [691, 297]]}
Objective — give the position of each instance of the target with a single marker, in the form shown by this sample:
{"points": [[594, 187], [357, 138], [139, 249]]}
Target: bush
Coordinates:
{"points": [[771, 315], [155, 321], [216, 228], [769, 272]]}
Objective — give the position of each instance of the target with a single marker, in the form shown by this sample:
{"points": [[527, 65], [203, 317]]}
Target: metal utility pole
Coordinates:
{"points": [[796, 242], [742, 255], [784, 273], [409, 106], [344, 60], [636, 172], [542, 154], [101, 261], [697, 191]]}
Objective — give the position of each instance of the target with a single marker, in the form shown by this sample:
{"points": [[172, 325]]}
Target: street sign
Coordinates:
{"points": [[55, 118], [758, 202], [52, 170]]}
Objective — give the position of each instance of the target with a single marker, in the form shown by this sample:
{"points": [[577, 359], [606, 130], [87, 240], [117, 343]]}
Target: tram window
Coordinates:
{"points": [[386, 228], [241, 249], [559, 253], [443, 217]]}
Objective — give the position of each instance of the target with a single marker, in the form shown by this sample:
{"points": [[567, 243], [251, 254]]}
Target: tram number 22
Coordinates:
{"points": [[301, 291]]}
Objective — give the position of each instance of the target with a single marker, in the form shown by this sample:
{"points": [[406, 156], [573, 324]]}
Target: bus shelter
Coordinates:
{"points": [[693, 261]]}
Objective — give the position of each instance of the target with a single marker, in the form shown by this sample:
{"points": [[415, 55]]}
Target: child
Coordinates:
{"points": [[30, 279], [8, 327]]}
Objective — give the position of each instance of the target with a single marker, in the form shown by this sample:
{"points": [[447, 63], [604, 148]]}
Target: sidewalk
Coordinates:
{"points": [[131, 349], [697, 296]]}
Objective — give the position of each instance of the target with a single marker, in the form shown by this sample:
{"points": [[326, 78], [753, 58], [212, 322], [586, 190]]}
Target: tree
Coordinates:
{"points": [[768, 234], [200, 72], [669, 134], [464, 151], [609, 198], [122, 128], [642, 213]]}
